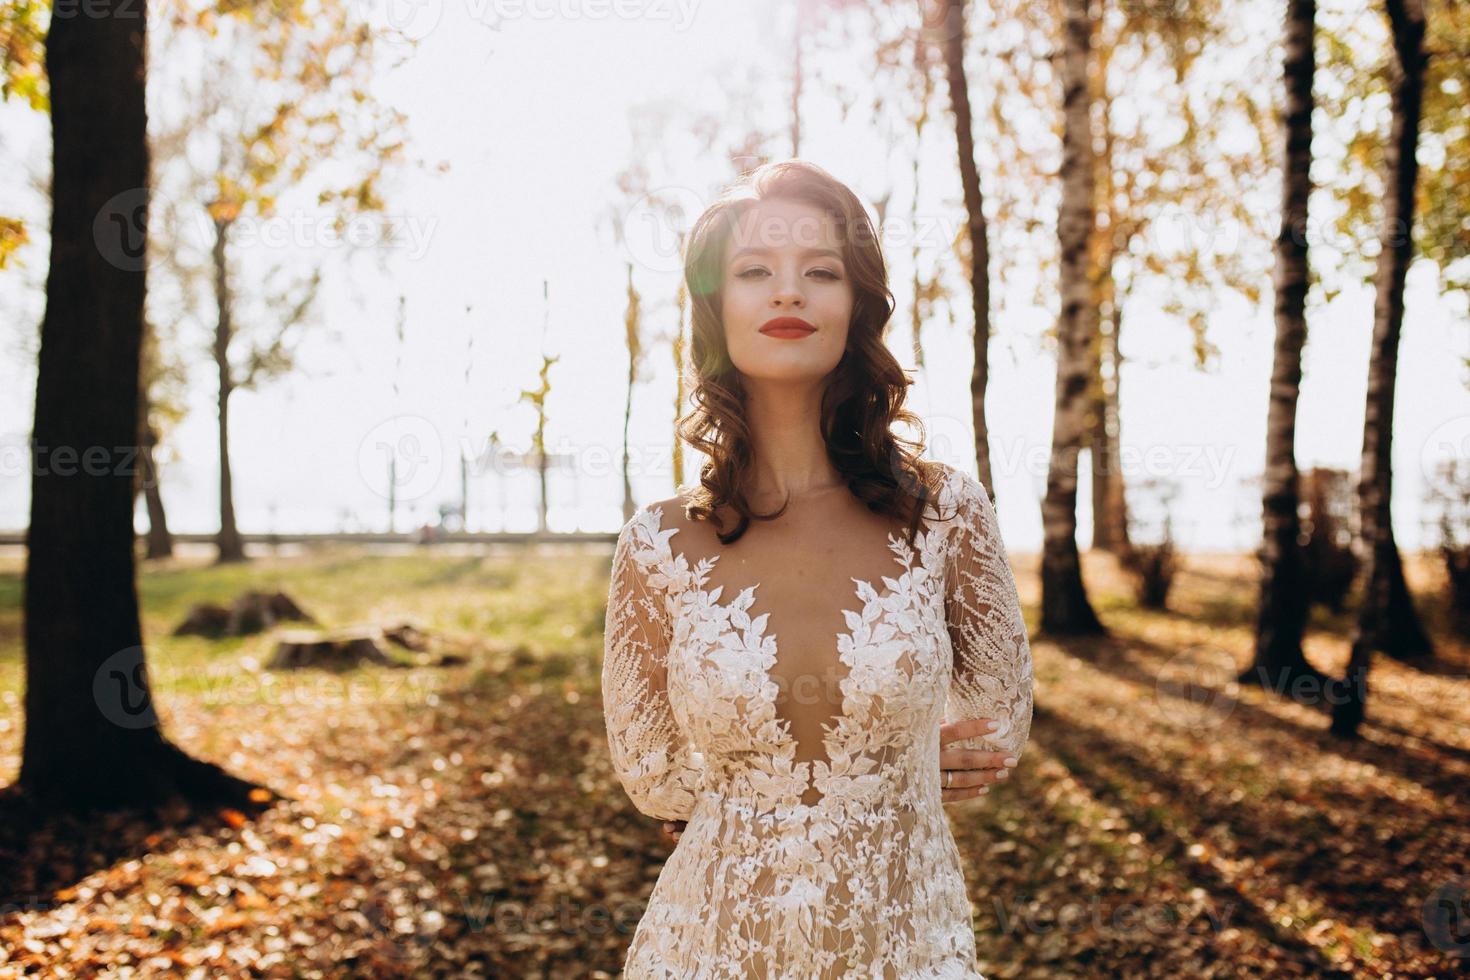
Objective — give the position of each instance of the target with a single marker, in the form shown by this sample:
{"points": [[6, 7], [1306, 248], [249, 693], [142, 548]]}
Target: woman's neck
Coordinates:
{"points": [[786, 434]]}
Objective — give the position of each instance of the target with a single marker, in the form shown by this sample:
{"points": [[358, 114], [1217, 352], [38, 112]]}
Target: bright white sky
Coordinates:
{"points": [[532, 118]]}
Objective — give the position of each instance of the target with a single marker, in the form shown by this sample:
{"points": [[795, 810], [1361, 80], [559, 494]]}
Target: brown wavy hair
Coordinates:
{"points": [[865, 393]]}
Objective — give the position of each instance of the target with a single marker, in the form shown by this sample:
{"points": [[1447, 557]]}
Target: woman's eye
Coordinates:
{"points": [[753, 271]]}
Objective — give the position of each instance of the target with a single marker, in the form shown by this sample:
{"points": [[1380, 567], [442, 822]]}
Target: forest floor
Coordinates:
{"points": [[465, 821]]}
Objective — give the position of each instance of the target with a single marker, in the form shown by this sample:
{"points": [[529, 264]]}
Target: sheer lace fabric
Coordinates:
{"points": [[867, 880]]}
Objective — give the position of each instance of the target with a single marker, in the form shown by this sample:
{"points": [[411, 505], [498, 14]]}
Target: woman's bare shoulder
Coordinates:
{"points": [[697, 535], [671, 513], [671, 508]]}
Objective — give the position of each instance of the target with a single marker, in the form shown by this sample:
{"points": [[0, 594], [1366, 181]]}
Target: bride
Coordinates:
{"points": [[817, 646]]}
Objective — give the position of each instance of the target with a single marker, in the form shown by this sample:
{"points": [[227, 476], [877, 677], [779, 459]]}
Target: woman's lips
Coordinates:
{"points": [[788, 327]]}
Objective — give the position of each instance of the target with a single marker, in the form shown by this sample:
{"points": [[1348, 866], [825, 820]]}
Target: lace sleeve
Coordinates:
{"points": [[992, 674], [650, 753]]}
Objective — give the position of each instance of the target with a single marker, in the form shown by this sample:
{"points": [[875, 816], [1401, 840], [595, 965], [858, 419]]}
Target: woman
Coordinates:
{"points": [[808, 773]]}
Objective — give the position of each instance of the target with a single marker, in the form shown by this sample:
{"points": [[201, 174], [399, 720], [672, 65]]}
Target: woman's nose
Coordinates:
{"points": [[787, 296]]}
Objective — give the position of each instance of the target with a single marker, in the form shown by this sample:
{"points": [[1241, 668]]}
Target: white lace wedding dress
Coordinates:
{"points": [[867, 881]]}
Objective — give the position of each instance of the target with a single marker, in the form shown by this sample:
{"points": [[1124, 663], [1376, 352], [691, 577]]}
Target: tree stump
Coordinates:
{"points": [[408, 636], [252, 612], [1457, 568], [205, 619], [329, 651]]}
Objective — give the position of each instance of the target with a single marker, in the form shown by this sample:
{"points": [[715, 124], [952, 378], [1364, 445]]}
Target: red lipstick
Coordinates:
{"points": [[789, 327]]}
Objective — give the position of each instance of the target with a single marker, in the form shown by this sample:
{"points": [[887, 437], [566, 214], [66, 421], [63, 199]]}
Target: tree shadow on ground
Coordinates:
{"points": [[43, 851], [1138, 895], [1440, 776], [1312, 845]]}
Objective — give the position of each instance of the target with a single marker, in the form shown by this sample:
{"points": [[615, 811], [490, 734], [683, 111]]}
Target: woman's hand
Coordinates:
{"points": [[673, 828], [967, 773]]}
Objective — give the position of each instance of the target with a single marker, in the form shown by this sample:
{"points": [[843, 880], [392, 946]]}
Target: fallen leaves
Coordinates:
{"points": [[470, 825]]}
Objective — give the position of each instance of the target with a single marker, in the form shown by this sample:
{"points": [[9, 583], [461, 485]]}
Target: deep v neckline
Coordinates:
{"points": [[861, 624], [711, 596]]}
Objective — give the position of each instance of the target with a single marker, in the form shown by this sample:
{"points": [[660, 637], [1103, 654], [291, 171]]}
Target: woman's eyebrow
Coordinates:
{"points": [[829, 252]]}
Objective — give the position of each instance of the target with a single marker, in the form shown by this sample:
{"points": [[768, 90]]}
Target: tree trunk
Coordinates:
{"points": [[91, 736], [1097, 440], [1065, 609], [160, 541], [1102, 251], [1114, 419], [1109, 502], [921, 119], [1117, 504], [1279, 662], [1400, 633], [231, 548], [542, 526], [1386, 618], [632, 326], [1404, 637], [959, 99]]}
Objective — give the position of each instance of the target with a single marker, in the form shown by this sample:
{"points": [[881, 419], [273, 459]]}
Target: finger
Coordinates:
{"points": [[965, 778], [966, 793], [967, 728], [973, 759], [950, 731]]}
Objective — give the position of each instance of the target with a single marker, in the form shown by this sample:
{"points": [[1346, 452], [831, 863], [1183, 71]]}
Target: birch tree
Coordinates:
{"points": [[1065, 609], [1281, 616], [1385, 606]]}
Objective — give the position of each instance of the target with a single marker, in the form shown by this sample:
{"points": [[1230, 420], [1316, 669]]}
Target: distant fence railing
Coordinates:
{"points": [[17, 538]]}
